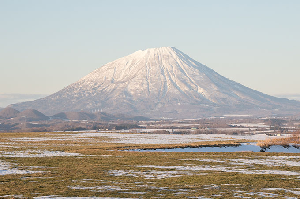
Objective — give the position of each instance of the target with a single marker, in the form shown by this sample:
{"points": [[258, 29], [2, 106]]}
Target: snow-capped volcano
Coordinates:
{"points": [[157, 82]]}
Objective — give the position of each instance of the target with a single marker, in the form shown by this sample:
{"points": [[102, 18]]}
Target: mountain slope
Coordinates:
{"points": [[74, 116], [158, 82], [31, 115]]}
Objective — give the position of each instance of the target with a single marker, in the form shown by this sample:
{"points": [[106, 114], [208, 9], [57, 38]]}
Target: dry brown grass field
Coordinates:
{"points": [[74, 165]]}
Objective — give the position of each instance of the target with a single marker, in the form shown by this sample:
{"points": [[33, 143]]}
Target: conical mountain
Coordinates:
{"points": [[158, 82], [8, 113]]}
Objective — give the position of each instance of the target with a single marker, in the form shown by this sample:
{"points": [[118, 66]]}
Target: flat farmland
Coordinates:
{"points": [[99, 165]]}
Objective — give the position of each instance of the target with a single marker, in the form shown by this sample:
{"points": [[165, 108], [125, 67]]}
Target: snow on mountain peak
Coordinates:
{"points": [[152, 51], [154, 71]]}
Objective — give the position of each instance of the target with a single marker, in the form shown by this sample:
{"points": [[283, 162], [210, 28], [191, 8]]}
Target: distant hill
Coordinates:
{"points": [[8, 113], [98, 116], [291, 96], [26, 115], [31, 115]]}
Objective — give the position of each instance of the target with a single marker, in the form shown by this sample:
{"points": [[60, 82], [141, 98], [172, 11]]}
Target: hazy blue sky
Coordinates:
{"points": [[47, 45]]}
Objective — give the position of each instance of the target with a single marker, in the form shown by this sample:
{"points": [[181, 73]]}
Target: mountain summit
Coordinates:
{"points": [[158, 82]]}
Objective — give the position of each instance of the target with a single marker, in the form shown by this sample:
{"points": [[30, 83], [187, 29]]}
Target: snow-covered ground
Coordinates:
{"points": [[130, 138], [168, 138]]}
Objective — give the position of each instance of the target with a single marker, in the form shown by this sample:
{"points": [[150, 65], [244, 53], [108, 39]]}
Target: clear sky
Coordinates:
{"points": [[47, 45]]}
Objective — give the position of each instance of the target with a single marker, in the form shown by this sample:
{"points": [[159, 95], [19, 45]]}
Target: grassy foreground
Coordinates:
{"points": [[101, 170]]}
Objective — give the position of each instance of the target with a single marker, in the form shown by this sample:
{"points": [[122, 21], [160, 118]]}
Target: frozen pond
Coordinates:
{"points": [[251, 147]]}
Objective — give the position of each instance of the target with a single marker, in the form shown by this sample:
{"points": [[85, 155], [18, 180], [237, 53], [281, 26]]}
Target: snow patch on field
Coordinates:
{"points": [[12, 196], [295, 191], [153, 174], [99, 188], [39, 139], [224, 169], [8, 145], [255, 194], [5, 169], [269, 161], [143, 138], [264, 193], [206, 160], [36, 153], [168, 138]]}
